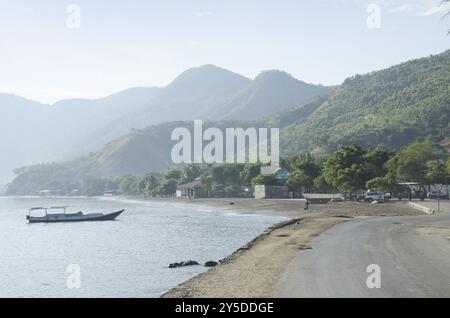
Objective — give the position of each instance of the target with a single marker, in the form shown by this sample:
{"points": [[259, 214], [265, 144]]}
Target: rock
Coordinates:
{"points": [[183, 264], [231, 203], [211, 264]]}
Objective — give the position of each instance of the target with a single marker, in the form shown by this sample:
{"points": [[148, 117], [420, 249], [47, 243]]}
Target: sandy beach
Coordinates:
{"points": [[295, 208], [255, 269]]}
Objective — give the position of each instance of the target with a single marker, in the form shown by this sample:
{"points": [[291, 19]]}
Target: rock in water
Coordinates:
{"points": [[211, 264], [183, 264]]}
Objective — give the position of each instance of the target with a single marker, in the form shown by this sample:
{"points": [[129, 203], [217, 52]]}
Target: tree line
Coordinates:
{"points": [[350, 168]]}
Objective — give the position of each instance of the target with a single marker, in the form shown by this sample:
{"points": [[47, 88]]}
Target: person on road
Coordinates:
{"points": [[306, 204]]}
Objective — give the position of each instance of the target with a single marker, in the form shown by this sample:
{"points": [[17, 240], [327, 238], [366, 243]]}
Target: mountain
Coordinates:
{"points": [[210, 92], [270, 92], [20, 121], [33, 132], [87, 125], [193, 94], [391, 107], [75, 127]]}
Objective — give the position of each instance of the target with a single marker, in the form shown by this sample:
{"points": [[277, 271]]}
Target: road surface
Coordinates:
{"points": [[444, 205], [413, 254]]}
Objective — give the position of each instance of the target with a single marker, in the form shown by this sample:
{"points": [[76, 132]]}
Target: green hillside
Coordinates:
{"points": [[392, 107]]}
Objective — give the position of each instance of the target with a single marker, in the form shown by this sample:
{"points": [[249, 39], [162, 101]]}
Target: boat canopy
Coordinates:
{"points": [[46, 209], [37, 208], [49, 208]]}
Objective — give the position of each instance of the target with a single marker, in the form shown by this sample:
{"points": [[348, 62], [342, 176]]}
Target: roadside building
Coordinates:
{"points": [[190, 190], [281, 174], [280, 191], [272, 192]]}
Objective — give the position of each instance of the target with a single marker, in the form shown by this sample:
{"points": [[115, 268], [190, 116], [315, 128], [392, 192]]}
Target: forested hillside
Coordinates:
{"points": [[392, 107]]}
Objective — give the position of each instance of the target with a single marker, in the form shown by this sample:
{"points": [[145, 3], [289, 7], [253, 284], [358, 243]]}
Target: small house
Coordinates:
{"points": [[281, 174], [190, 190], [272, 192]]}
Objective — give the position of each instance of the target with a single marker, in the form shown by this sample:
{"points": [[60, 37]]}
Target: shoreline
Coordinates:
{"points": [[255, 269]]}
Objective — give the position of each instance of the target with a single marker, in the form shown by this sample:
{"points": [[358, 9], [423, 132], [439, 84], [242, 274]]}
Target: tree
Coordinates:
{"points": [[249, 172], [95, 187], [299, 179], [347, 169], [129, 185], [265, 179], [222, 178], [148, 185], [376, 159], [167, 187], [174, 174], [437, 172], [191, 172], [321, 185], [388, 183], [411, 163], [307, 164]]}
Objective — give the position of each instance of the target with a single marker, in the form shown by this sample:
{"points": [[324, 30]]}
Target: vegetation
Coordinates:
{"points": [[391, 108], [412, 162], [350, 168]]}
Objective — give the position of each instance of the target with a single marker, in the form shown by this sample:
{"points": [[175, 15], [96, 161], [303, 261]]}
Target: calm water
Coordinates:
{"points": [[123, 258]]}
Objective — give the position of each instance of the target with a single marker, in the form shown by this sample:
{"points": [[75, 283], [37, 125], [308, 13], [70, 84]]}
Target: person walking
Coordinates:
{"points": [[306, 204]]}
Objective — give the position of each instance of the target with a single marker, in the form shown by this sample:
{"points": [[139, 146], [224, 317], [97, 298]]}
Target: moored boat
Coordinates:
{"points": [[66, 217]]}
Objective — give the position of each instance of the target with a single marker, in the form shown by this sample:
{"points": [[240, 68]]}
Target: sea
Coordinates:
{"points": [[128, 257]]}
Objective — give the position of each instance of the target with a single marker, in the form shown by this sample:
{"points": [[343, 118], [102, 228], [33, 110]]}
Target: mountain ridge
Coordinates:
{"points": [[74, 127]]}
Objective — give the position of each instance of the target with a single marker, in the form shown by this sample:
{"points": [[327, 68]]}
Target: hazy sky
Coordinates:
{"points": [[122, 44]]}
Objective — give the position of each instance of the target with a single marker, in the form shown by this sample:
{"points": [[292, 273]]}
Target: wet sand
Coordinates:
{"points": [[295, 208], [255, 269]]}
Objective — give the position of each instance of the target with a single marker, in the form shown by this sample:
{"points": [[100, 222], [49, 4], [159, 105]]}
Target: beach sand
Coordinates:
{"points": [[254, 270]]}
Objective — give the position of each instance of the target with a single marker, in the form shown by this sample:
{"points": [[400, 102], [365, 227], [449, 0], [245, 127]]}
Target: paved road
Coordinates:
{"points": [[412, 264]]}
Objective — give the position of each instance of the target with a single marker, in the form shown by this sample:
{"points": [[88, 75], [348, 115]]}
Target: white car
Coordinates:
{"points": [[374, 196]]}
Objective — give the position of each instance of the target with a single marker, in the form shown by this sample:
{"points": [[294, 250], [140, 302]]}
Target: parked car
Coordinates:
{"points": [[348, 195], [374, 196], [438, 194]]}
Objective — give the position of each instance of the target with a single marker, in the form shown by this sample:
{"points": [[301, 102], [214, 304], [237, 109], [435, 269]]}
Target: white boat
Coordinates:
{"points": [[65, 217]]}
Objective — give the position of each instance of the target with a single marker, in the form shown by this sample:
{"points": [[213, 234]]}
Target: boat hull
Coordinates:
{"points": [[75, 218]]}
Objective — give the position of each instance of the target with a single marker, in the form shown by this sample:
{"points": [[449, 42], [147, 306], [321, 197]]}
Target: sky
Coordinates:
{"points": [[52, 49]]}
